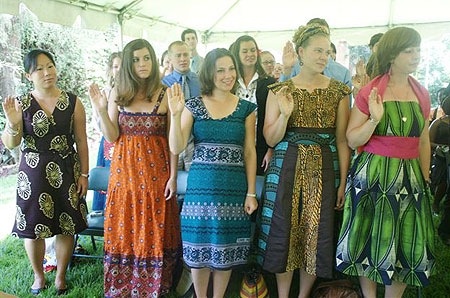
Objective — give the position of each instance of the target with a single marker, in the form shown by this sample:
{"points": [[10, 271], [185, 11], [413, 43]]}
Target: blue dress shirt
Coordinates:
{"points": [[192, 81]]}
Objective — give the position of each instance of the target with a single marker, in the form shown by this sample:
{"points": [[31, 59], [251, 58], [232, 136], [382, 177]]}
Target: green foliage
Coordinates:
{"points": [[80, 55]]}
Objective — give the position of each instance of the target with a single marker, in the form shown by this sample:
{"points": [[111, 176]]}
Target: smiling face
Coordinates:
{"points": [[180, 57], [225, 74], [248, 53], [142, 63], [314, 55], [407, 61], [44, 75]]}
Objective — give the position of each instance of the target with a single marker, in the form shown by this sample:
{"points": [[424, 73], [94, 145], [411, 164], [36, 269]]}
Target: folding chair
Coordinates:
{"points": [[98, 181]]}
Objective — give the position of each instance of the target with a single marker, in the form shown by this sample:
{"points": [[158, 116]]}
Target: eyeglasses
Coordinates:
{"points": [[268, 62]]}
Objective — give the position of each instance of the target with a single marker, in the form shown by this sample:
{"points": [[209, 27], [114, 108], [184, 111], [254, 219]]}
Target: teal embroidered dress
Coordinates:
{"points": [[215, 229]]}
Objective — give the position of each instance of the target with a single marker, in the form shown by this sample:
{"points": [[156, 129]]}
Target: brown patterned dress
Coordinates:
{"points": [[47, 199], [297, 214]]}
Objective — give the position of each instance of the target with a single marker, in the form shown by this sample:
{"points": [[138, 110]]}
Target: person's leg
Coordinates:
{"points": [[221, 279], [200, 277], [306, 283], [284, 283], [35, 250], [368, 287], [395, 290], [63, 247]]}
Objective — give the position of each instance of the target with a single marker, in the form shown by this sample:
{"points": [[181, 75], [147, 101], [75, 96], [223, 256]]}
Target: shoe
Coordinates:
{"points": [[36, 292], [61, 292]]}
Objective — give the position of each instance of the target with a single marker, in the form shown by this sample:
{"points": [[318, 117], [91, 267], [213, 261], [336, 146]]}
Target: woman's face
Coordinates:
{"points": [[225, 74], [142, 63], [277, 70], [268, 63], [248, 53], [315, 54], [166, 61], [44, 75], [407, 61], [116, 66]]}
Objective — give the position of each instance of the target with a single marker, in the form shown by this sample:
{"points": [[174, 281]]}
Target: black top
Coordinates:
{"points": [[261, 98]]}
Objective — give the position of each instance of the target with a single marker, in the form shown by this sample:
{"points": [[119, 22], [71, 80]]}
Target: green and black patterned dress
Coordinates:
{"points": [[387, 232]]}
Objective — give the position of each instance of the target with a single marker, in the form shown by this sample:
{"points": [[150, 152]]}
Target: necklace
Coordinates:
{"points": [[404, 119]]}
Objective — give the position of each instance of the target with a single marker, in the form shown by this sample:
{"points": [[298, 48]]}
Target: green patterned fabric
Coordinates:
{"points": [[387, 231]]}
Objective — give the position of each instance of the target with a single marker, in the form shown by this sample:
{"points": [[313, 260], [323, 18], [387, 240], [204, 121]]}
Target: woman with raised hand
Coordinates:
{"points": [[52, 179], [306, 119], [387, 235], [106, 148], [220, 194], [142, 236], [252, 85]]}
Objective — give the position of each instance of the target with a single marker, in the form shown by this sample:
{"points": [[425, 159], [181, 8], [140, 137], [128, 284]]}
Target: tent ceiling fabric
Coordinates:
{"points": [[270, 22]]}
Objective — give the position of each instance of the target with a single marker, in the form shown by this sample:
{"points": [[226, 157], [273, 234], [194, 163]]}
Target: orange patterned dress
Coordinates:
{"points": [[142, 229]]}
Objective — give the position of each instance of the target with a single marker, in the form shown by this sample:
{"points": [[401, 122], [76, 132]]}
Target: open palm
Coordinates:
{"points": [[98, 98], [176, 99], [13, 110]]}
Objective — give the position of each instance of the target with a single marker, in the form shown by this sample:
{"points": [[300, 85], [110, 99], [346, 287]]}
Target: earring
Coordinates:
{"points": [[301, 63]]}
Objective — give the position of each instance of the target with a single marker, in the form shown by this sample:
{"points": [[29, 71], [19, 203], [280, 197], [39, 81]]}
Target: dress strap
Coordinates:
{"points": [[159, 100]]}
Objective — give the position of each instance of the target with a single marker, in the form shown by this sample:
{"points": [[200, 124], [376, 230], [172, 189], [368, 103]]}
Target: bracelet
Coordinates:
{"points": [[85, 175], [10, 130], [373, 121], [252, 195]]}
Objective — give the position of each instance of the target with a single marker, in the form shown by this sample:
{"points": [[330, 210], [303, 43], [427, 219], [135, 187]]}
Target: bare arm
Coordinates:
{"points": [[107, 111], [250, 162], [278, 110], [360, 127], [425, 151], [171, 185], [343, 149], [181, 120], [79, 126], [14, 122]]}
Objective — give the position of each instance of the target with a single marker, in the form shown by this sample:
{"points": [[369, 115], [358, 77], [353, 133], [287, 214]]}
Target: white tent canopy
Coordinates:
{"points": [[219, 22]]}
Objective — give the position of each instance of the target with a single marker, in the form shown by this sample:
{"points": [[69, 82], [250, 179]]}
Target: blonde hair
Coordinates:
{"points": [[304, 33], [390, 45]]}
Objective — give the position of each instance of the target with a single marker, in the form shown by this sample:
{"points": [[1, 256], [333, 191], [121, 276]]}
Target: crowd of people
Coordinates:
{"points": [[225, 119]]}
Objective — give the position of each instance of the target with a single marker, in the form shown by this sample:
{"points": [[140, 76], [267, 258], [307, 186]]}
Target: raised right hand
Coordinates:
{"points": [[285, 102], [98, 98], [176, 99], [13, 110], [289, 57], [376, 108]]}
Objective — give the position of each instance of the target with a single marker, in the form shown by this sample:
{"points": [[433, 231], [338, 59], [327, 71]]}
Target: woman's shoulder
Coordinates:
{"points": [[275, 87], [339, 86]]}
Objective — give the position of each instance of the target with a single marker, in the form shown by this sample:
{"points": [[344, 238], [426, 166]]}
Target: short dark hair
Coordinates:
{"points": [[30, 60], [374, 39], [237, 47], [208, 70], [318, 21], [187, 31], [333, 47]]}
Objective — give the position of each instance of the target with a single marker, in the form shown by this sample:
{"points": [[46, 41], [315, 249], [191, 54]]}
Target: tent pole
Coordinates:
{"points": [[120, 19]]}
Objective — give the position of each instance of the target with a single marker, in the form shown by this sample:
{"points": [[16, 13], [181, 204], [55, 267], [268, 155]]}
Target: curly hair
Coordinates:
{"points": [[304, 33]]}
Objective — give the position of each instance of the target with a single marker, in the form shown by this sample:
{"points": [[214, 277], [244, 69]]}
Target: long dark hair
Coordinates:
{"points": [[128, 83], [208, 70], [236, 47]]}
